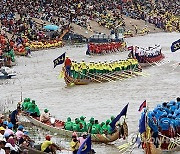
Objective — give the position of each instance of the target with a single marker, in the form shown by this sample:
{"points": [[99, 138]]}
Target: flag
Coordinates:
{"points": [[59, 60], [86, 146], [143, 105], [123, 112], [130, 48], [175, 46], [142, 123]]}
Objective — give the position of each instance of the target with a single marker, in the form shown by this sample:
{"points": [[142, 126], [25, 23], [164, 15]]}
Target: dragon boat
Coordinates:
{"points": [[147, 57], [101, 44], [160, 129], [100, 78], [58, 127]]}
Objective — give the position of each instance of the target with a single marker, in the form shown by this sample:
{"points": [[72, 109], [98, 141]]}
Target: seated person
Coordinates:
{"points": [[49, 146], [45, 117]]}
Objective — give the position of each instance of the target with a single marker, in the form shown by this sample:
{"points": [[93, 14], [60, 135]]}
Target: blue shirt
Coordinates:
{"points": [[164, 123], [13, 116], [152, 125]]}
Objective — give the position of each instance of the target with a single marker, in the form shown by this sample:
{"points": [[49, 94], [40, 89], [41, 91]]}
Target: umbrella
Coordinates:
{"points": [[51, 27]]}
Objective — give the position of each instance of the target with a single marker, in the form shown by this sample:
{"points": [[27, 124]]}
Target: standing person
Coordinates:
{"points": [[74, 144], [67, 65], [13, 117], [82, 139]]}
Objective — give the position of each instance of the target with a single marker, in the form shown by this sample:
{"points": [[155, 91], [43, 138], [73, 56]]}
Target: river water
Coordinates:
{"points": [[37, 79]]}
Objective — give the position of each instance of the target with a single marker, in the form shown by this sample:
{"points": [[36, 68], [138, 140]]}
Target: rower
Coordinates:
{"points": [[68, 124], [33, 109], [76, 125], [45, 117], [164, 124], [89, 125], [83, 124], [96, 128], [153, 125], [84, 69]]}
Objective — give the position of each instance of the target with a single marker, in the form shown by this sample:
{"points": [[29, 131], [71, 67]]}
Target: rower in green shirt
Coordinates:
{"points": [[69, 124], [83, 124], [89, 125], [76, 125], [33, 109]]}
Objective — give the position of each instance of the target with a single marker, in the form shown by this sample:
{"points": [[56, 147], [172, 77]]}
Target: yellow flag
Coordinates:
{"points": [[61, 75]]}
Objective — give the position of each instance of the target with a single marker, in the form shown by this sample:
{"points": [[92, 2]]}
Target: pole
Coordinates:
{"points": [[21, 96]]}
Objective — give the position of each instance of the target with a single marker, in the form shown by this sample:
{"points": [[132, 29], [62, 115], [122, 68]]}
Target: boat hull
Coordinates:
{"points": [[102, 138], [98, 78], [151, 61]]}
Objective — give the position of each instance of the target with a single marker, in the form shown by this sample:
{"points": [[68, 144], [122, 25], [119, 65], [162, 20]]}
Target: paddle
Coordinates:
{"points": [[70, 82], [91, 77], [99, 77]]}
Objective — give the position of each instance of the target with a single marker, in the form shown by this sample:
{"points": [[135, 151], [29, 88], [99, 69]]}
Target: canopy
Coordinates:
{"points": [[51, 27]]}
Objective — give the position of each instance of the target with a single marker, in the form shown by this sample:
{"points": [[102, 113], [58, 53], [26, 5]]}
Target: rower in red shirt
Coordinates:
{"points": [[67, 65]]}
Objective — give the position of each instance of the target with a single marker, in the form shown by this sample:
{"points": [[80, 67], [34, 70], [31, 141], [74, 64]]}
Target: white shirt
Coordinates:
{"points": [[2, 151], [15, 148]]}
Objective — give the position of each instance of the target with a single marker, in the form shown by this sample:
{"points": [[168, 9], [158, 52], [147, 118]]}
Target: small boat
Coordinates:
{"points": [[6, 73], [151, 56], [101, 44], [20, 53], [59, 129]]}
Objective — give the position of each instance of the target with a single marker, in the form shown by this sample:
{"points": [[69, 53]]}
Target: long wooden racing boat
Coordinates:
{"points": [[20, 53], [101, 78], [59, 129], [100, 44], [148, 61], [172, 146]]}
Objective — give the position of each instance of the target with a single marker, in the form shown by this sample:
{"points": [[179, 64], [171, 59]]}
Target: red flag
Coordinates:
{"points": [[143, 105]]}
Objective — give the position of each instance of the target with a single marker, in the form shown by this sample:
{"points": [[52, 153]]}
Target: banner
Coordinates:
{"points": [[59, 60], [175, 46]]}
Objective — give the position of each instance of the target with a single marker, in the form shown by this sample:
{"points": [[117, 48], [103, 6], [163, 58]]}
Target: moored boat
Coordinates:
{"points": [[59, 129], [6, 73]]}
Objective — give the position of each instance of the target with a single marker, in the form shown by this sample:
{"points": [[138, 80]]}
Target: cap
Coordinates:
{"points": [[26, 133], [82, 117], [20, 127], [48, 137], [92, 119], [10, 125], [5, 123], [46, 110], [2, 128]]}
